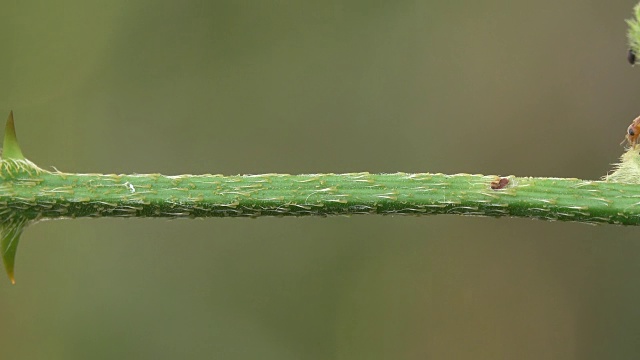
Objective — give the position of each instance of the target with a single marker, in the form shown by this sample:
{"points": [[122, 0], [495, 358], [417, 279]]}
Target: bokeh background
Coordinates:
{"points": [[494, 87]]}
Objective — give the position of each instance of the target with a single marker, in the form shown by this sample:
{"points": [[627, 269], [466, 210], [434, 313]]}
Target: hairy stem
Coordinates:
{"points": [[34, 194], [29, 194]]}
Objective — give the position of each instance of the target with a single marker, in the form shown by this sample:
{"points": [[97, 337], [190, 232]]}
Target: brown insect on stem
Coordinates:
{"points": [[633, 132]]}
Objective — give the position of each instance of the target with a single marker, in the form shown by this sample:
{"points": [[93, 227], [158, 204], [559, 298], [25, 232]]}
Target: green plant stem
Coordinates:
{"points": [[37, 194], [29, 194]]}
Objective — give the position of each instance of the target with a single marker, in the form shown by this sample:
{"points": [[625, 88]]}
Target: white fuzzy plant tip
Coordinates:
{"points": [[628, 169]]}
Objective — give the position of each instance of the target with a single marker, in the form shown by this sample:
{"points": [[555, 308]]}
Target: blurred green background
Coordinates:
{"points": [[495, 87]]}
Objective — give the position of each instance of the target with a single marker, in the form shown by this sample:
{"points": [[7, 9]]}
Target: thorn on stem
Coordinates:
{"points": [[10, 147]]}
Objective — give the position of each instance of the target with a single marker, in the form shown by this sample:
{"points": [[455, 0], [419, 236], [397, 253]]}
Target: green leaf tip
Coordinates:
{"points": [[10, 231], [10, 147], [633, 34]]}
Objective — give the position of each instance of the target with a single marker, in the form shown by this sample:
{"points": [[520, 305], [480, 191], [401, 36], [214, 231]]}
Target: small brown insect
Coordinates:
{"points": [[633, 132], [499, 184], [631, 57]]}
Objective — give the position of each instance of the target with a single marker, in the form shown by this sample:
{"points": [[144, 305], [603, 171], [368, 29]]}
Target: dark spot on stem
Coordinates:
{"points": [[499, 184]]}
